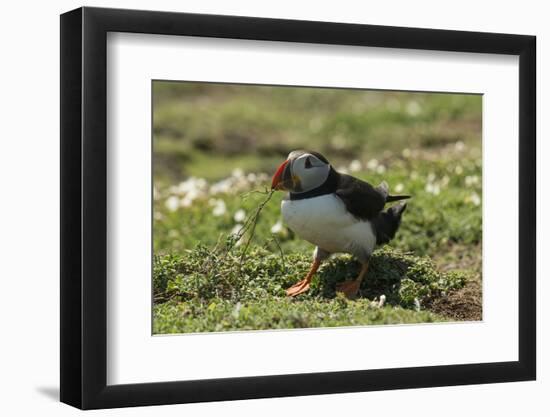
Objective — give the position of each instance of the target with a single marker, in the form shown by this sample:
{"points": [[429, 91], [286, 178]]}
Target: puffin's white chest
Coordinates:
{"points": [[325, 222]]}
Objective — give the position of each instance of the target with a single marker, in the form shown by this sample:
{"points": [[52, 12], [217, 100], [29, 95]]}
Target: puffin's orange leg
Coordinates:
{"points": [[351, 288], [303, 285]]}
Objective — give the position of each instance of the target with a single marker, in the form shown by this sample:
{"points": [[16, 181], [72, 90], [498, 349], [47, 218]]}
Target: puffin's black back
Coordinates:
{"points": [[361, 199]]}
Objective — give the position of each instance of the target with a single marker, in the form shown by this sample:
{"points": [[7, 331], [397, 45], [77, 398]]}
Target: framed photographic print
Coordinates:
{"points": [[257, 207]]}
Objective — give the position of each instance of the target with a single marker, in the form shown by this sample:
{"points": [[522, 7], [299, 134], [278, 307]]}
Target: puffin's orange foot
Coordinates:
{"points": [[298, 288], [349, 288]]}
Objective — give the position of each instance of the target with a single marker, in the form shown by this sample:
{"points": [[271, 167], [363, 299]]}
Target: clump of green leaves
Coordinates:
{"points": [[204, 284]]}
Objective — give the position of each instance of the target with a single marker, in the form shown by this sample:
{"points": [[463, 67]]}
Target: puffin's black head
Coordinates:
{"points": [[302, 171]]}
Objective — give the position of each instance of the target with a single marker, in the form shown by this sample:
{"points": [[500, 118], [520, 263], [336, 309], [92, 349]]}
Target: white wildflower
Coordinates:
{"points": [[343, 170], [382, 301], [192, 185], [239, 216], [236, 229], [237, 173], [236, 232], [355, 166], [277, 228], [186, 201], [219, 208], [236, 310], [399, 188], [474, 198], [221, 187], [380, 169], [433, 188], [413, 108], [262, 177], [372, 164], [471, 180], [172, 203]]}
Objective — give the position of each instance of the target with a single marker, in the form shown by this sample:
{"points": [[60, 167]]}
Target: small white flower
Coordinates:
{"points": [[237, 173], [372, 164], [433, 188], [380, 169], [239, 216], [236, 229], [399, 188], [343, 170], [236, 310], [172, 203], [219, 208], [474, 198], [471, 180], [186, 201], [221, 187], [413, 108], [355, 166], [277, 228]]}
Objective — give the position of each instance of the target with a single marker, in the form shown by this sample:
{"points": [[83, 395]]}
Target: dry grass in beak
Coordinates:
{"points": [[249, 225]]}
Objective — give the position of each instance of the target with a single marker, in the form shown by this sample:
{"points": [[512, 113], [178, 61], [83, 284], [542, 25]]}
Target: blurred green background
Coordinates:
{"points": [[214, 142], [207, 130]]}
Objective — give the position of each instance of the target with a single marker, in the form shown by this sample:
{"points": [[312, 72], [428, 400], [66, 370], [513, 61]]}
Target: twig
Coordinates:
{"points": [[251, 223]]}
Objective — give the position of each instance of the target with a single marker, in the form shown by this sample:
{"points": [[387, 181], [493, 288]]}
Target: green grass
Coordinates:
{"points": [[214, 290], [425, 145], [278, 313]]}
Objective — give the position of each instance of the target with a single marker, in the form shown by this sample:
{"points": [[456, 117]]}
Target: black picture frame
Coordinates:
{"points": [[84, 207]]}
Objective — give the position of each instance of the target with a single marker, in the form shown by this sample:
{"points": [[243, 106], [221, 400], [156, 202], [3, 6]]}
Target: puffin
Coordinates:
{"points": [[336, 212]]}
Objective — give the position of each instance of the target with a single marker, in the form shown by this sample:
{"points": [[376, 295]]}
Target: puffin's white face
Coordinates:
{"points": [[301, 172]]}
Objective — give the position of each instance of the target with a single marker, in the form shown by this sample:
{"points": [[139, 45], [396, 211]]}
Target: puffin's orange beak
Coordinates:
{"points": [[277, 182]]}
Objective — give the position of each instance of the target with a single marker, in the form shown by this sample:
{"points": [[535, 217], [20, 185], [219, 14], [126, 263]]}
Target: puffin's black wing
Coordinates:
{"points": [[361, 199]]}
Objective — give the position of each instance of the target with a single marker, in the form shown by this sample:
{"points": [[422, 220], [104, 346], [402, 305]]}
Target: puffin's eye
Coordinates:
{"points": [[307, 164]]}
